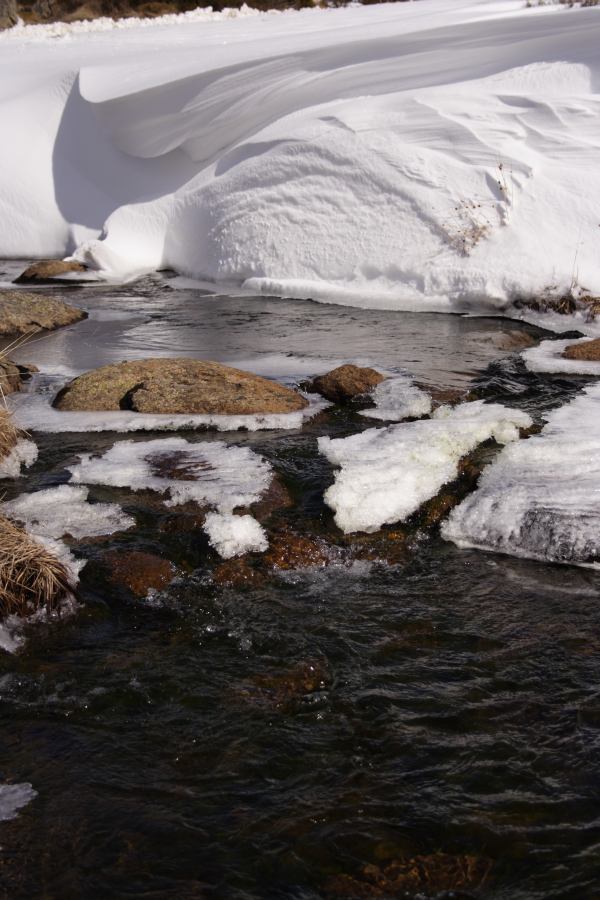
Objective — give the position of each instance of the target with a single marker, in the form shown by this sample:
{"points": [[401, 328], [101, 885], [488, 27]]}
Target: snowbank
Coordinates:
{"points": [[419, 156], [541, 497], [386, 474]]}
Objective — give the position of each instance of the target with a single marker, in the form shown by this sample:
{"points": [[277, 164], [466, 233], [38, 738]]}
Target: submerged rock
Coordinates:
{"points": [[50, 270], [288, 550], [177, 386], [423, 876], [342, 384], [587, 350], [22, 313], [139, 571]]}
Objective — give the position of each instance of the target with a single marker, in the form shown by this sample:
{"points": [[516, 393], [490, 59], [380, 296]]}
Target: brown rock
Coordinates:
{"points": [[346, 382], [236, 573], [22, 313], [425, 876], [138, 571], [276, 497], [10, 377], [188, 386], [49, 270], [288, 550], [9, 14], [283, 688], [443, 396], [588, 351]]}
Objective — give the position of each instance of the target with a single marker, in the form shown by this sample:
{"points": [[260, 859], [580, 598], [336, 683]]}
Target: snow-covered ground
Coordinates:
{"points": [[431, 155]]}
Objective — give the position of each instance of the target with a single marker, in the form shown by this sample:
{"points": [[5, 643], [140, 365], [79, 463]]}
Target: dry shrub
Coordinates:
{"points": [[31, 577]]}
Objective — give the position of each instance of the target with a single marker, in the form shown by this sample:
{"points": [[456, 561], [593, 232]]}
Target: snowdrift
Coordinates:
{"points": [[433, 155]]}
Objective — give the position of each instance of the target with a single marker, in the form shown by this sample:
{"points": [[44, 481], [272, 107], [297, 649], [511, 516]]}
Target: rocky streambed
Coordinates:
{"points": [[370, 713]]}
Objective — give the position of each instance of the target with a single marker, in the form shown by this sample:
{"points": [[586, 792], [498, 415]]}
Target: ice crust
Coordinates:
{"points": [[541, 497], [210, 473], [398, 398], [436, 157], [233, 535], [34, 412], [547, 357], [386, 474], [217, 474], [64, 510], [14, 797], [24, 453]]}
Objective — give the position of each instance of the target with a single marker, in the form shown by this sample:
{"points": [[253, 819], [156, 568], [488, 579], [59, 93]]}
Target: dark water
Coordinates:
{"points": [[257, 743]]}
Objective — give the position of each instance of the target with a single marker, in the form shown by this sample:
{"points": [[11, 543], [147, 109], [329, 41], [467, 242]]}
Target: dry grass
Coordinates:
{"points": [[9, 433], [565, 303], [31, 577]]}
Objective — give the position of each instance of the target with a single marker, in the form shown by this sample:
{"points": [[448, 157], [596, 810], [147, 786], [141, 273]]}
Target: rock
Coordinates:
{"points": [[237, 573], [276, 497], [345, 382], [50, 270], [425, 876], [283, 689], [506, 340], [587, 350], [288, 550], [177, 386], [22, 313], [12, 375], [138, 571], [443, 396], [9, 13]]}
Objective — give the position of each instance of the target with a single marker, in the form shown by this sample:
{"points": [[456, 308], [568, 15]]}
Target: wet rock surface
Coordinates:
{"points": [[13, 376], [177, 386], [48, 271], [24, 313], [137, 571], [346, 382]]}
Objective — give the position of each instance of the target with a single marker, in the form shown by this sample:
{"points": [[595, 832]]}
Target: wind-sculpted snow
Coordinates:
{"points": [[386, 474], [403, 156], [541, 497]]}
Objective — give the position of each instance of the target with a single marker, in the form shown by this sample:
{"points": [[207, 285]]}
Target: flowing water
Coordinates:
{"points": [[260, 743]]}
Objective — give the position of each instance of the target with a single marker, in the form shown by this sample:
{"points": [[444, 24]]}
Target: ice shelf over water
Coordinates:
{"points": [[386, 474], [547, 357], [210, 473], [14, 797], [541, 496], [23, 454], [64, 510], [398, 398], [437, 155]]}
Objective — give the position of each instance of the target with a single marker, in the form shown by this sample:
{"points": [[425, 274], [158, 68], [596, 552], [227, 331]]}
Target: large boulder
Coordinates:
{"points": [[22, 313], [177, 386], [50, 270], [589, 351], [342, 384]]}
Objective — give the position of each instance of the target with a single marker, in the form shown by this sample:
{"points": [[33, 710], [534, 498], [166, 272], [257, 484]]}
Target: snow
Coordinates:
{"points": [[24, 453], [233, 535], [541, 497], [35, 413], [386, 474], [398, 398], [429, 156], [14, 797], [64, 510], [547, 357]]}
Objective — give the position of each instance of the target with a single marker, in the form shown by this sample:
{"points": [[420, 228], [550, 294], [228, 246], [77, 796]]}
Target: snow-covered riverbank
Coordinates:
{"points": [[434, 155]]}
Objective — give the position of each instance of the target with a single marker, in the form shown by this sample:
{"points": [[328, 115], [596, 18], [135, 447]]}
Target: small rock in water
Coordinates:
{"points": [[342, 384], [49, 270], [177, 386], [22, 313], [12, 375], [139, 571], [288, 550], [586, 350]]}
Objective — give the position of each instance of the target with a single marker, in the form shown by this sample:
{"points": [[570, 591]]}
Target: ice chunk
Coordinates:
{"points": [[211, 473], [398, 398], [547, 357], [24, 453], [233, 535], [14, 797], [386, 474], [65, 510], [541, 497]]}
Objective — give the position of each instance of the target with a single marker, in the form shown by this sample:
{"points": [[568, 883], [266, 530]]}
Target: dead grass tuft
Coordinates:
{"points": [[31, 577]]}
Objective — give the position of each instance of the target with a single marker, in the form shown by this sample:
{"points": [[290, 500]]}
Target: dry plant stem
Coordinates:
{"points": [[31, 578]]}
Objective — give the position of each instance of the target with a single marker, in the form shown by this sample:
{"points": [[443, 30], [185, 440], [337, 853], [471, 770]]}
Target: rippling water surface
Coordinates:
{"points": [[261, 743]]}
